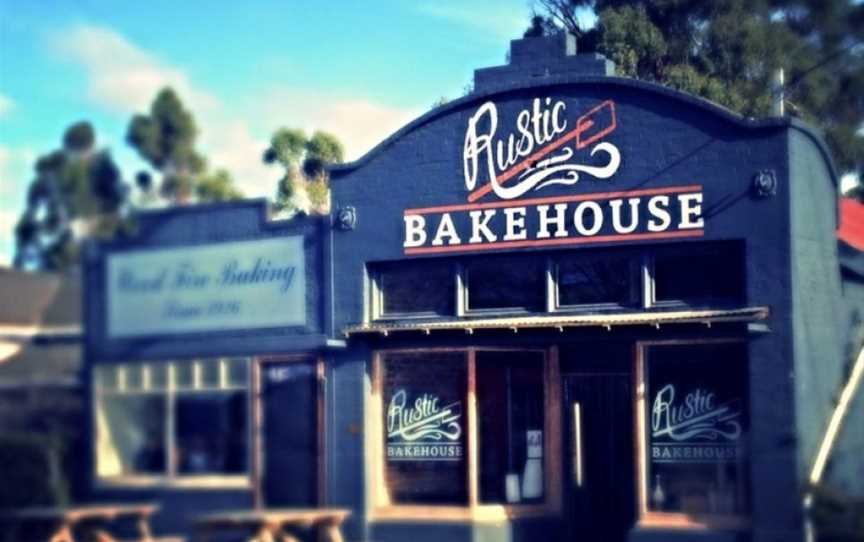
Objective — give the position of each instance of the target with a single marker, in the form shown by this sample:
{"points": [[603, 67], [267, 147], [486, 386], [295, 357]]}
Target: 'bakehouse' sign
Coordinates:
{"points": [[694, 427], [217, 287], [507, 168], [423, 429]]}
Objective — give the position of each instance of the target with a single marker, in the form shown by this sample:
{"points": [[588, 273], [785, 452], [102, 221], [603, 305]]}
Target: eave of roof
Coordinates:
{"points": [[751, 123], [706, 317]]}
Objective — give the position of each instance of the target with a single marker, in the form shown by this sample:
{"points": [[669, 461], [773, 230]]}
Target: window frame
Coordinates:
{"points": [[381, 509], [638, 285], [169, 393], [649, 282], [643, 290], [259, 460], [376, 295], [675, 520], [464, 291]]}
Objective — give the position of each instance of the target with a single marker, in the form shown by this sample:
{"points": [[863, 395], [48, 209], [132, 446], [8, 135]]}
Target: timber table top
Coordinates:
{"points": [[273, 515], [82, 511]]}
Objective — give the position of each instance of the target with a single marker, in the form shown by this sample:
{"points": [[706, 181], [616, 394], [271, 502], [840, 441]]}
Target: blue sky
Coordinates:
{"points": [[357, 69]]}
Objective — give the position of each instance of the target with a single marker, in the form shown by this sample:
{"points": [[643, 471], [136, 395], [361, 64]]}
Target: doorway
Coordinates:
{"points": [[599, 445], [290, 445]]}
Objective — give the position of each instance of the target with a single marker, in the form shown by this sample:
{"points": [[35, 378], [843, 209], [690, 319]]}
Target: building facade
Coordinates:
{"points": [[567, 305]]}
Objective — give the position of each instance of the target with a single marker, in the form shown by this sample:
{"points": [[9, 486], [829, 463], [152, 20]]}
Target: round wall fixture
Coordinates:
{"points": [[346, 218], [765, 183]]}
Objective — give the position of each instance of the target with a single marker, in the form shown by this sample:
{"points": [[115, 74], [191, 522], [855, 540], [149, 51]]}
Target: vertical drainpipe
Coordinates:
{"points": [[828, 440]]}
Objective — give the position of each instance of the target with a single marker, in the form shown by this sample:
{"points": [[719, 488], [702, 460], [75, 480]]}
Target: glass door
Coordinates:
{"points": [[599, 460]]}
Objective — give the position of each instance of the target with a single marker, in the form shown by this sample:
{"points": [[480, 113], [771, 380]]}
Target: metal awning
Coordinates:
{"points": [[557, 321]]}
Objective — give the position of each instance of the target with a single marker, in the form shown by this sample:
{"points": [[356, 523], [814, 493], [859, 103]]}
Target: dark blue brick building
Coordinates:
{"points": [[567, 305]]}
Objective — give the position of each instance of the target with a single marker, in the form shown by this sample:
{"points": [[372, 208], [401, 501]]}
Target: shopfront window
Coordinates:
{"points": [[463, 428], [426, 426], [510, 413], [172, 419], [696, 429]]}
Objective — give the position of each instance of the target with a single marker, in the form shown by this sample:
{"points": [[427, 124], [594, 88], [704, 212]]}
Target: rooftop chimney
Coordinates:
{"points": [[532, 59]]}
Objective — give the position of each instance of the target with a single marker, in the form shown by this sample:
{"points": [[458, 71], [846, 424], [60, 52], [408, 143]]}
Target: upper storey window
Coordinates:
{"points": [[691, 275]]}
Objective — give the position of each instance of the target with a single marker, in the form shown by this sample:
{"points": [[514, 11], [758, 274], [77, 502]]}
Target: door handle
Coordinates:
{"points": [[578, 474]]}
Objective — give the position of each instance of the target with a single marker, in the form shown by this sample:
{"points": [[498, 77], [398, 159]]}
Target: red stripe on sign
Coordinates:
{"points": [[555, 242], [555, 199]]}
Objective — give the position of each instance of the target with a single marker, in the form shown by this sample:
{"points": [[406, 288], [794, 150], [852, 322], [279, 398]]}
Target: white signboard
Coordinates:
{"points": [[225, 286]]}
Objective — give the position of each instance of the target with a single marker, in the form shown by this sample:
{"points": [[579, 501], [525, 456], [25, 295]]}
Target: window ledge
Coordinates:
{"points": [[664, 520], [560, 321], [494, 513], [184, 482]]}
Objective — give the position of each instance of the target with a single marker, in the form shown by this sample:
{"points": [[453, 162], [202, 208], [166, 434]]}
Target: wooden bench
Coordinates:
{"points": [[83, 523], [273, 524]]}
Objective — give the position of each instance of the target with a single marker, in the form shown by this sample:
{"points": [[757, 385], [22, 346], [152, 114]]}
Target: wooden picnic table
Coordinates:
{"points": [[81, 523], [274, 524]]}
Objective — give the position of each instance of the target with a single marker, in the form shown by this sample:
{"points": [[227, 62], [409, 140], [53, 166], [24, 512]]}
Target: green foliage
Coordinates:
{"points": [[79, 137], [76, 191], [304, 161], [30, 471], [217, 186], [540, 26], [728, 51], [165, 138], [286, 147]]}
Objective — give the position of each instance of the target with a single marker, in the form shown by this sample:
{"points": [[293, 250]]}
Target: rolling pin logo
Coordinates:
{"points": [[541, 150]]}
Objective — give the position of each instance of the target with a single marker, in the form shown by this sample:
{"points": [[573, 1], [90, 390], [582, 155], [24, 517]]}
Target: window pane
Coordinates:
{"points": [[425, 427], [510, 413], [106, 378], [238, 372], [698, 429], [134, 376], [501, 283], [209, 373], [130, 435], [587, 278], [423, 286], [158, 376], [183, 374], [700, 273], [211, 433]]}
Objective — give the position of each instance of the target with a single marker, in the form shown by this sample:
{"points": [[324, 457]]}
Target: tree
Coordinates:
{"points": [[77, 191], [166, 140], [304, 185], [728, 51], [217, 186]]}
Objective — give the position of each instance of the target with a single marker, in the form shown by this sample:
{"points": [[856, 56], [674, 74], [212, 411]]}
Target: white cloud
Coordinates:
{"points": [[230, 144], [7, 236], [497, 21], [359, 123], [16, 165], [6, 105], [848, 182], [122, 77]]}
